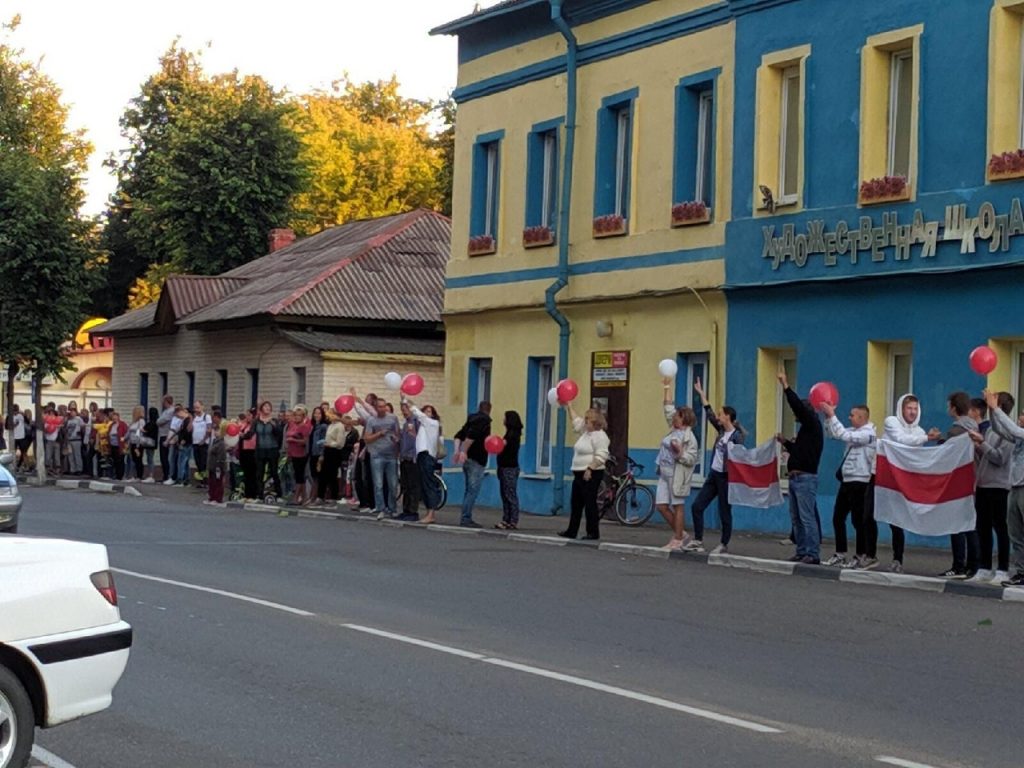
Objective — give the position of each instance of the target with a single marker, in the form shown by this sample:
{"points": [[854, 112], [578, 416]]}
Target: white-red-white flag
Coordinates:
{"points": [[929, 491], [754, 475]]}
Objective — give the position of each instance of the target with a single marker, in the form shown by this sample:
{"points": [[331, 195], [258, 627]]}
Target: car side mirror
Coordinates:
{"points": [[6, 459]]}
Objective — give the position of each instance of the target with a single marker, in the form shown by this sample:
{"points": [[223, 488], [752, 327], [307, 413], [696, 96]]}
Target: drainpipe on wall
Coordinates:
{"points": [[558, 490]]}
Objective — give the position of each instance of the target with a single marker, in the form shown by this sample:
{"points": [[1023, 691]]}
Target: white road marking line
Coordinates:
{"points": [[902, 763], [221, 592], [47, 757], [416, 641], [625, 693]]}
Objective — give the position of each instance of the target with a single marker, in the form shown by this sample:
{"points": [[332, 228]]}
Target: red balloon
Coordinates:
{"points": [[344, 404], [824, 392], [983, 360], [233, 430], [494, 444], [412, 384], [567, 391]]}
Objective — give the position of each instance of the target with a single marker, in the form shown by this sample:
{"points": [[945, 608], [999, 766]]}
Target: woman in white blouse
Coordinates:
{"points": [[428, 437], [588, 461]]}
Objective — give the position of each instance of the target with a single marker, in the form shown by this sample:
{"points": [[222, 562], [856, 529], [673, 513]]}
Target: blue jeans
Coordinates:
{"points": [[803, 490], [474, 475], [183, 455], [384, 469]]}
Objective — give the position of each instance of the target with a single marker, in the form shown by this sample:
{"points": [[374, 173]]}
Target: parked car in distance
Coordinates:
{"points": [[10, 496], [63, 645]]}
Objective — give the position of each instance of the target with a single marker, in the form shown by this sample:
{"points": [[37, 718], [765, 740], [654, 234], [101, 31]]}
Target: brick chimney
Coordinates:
{"points": [[279, 238]]}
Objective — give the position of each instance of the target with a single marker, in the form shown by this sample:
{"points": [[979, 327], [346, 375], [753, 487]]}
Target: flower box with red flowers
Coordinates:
{"points": [[538, 237], [887, 189], [610, 226], [481, 245], [687, 214], [1008, 165]]}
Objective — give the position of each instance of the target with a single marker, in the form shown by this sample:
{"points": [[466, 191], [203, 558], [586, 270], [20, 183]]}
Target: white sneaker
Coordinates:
{"points": [[694, 546], [381, 515], [149, 480], [836, 559], [983, 574], [168, 481], [673, 545], [721, 549], [999, 578]]}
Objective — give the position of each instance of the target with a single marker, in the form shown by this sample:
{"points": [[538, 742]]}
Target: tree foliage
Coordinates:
{"points": [[211, 166], [48, 254], [370, 153]]}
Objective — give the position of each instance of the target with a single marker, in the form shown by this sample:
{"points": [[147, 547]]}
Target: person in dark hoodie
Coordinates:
{"points": [[959, 403], [804, 457], [216, 468], [472, 456]]}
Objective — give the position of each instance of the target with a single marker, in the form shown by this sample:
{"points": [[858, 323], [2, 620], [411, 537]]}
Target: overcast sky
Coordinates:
{"points": [[100, 51]]}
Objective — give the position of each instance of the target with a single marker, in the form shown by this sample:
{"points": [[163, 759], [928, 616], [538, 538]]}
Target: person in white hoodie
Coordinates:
{"points": [[854, 477], [904, 428], [1005, 427]]}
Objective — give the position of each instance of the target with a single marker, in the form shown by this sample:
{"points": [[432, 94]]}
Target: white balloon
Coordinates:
{"points": [[668, 368], [553, 396], [230, 441], [392, 380]]}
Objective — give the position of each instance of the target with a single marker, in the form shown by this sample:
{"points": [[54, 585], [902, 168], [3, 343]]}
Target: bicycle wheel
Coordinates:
{"points": [[634, 504], [443, 488], [605, 498]]}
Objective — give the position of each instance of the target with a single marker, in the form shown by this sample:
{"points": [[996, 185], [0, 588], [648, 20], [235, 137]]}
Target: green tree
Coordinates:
{"points": [[444, 143], [48, 253], [211, 166], [370, 153]]}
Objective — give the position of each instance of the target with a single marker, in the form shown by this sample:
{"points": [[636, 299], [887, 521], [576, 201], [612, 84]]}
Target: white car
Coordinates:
{"points": [[10, 496], [63, 646]]}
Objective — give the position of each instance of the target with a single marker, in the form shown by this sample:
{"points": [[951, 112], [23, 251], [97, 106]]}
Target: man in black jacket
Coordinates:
{"points": [[802, 466], [471, 454]]}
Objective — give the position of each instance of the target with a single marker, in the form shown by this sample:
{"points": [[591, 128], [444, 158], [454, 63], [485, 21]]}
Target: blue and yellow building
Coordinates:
{"points": [[828, 187]]}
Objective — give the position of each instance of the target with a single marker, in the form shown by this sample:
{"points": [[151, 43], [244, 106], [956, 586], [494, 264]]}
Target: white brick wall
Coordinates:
{"points": [[368, 376], [206, 352]]}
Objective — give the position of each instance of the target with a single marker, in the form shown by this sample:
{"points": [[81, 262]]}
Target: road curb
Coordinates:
{"points": [[742, 562]]}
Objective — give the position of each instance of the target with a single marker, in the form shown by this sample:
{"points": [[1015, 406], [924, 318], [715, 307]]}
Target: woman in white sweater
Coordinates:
{"points": [[427, 438], [588, 461]]}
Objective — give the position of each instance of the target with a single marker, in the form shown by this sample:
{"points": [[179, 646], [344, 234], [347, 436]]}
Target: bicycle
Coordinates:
{"points": [[632, 502], [442, 486]]}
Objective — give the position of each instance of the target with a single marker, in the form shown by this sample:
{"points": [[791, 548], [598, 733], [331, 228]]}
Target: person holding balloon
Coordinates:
{"points": [[428, 440], [802, 465], [589, 456], [716, 486], [508, 471]]}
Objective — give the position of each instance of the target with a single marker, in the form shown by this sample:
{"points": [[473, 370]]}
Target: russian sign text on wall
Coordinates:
{"points": [[893, 239]]}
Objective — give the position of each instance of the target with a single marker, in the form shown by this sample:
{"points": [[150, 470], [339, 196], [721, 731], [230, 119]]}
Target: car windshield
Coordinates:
{"points": [[6, 478]]}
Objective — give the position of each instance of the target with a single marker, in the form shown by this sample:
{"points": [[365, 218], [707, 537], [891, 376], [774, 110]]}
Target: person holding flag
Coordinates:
{"points": [[804, 458], [903, 428]]}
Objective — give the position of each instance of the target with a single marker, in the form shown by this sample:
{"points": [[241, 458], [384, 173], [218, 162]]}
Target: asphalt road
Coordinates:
{"points": [[540, 656]]}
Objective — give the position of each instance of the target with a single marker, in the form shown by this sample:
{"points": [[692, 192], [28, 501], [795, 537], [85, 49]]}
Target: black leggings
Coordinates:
{"points": [[327, 480], [299, 467], [247, 462], [137, 460], [990, 504], [852, 498], [716, 486], [584, 497], [266, 463]]}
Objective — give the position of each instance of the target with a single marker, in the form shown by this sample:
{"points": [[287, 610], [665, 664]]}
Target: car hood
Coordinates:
{"points": [[45, 587]]}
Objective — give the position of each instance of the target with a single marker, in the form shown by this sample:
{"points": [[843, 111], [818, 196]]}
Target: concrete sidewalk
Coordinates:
{"points": [[917, 561]]}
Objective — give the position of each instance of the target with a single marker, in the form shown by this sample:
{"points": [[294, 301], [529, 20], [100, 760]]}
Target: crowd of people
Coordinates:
{"points": [[371, 457]]}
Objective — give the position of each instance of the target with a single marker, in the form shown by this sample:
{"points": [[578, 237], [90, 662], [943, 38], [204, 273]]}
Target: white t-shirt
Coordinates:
{"points": [[721, 446], [200, 426], [428, 433], [19, 426]]}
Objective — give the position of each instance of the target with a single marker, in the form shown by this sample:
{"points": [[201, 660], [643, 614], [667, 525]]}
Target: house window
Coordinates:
{"points": [[144, 390], [786, 421], [901, 91], [1017, 374], [254, 386], [790, 133], [779, 129], [901, 375], [298, 386], [694, 366], [486, 192], [890, 74], [705, 147], [615, 127], [190, 386], [542, 426], [542, 175], [222, 390], [164, 383], [479, 381]]}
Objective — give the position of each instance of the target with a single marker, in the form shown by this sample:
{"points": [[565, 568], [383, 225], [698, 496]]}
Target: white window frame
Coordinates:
{"points": [[549, 143], [900, 349], [705, 121], [492, 188], [782, 406], [789, 73], [545, 380], [484, 365], [623, 119], [692, 361], [898, 60], [1017, 375]]}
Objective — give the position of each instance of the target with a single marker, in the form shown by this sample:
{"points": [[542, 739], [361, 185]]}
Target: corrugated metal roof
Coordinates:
{"points": [[484, 13], [187, 293], [325, 341], [135, 320], [358, 270]]}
